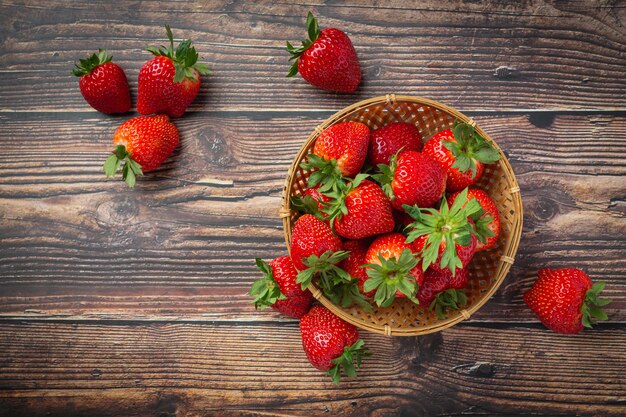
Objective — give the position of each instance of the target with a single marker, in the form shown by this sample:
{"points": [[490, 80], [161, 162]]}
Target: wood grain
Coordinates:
{"points": [[168, 369], [471, 55], [181, 245]]}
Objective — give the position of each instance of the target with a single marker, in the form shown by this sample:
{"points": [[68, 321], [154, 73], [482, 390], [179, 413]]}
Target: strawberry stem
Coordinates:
{"points": [[85, 66], [355, 352], [390, 276], [590, 309], [469, 147], [265, 290], [313, 31], [130, 170], [451, 299], [184, 57]]}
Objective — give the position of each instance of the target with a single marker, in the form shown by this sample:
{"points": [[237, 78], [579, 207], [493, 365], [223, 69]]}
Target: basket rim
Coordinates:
{"points": [[509, 252]]}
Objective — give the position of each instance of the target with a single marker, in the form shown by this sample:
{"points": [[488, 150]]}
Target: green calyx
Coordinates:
{"points": [[447, 226], [308, 204], [590, 309], [385, 176], [482, 220], [326, 174], [451, 299], [470, 148], [336, 207], [390, 276], [351, 354], [265, 291], [313, 30], [85, 66], [130, 170], [185, 58], [333, 281]]}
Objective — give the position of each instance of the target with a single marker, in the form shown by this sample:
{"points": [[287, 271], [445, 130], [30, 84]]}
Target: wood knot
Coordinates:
{"points": [[504, 71]]}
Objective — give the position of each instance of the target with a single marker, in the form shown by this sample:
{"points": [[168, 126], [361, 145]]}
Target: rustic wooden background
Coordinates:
{"points": [[118, 302]]}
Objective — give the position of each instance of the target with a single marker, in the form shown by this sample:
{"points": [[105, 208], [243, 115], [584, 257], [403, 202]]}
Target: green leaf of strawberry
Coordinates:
{"points": [[469, 147], [265, 290], [355, 352], [130, 170]]}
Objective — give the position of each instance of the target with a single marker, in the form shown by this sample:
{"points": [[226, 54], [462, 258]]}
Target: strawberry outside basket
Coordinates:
{"points": [[487, 269]]}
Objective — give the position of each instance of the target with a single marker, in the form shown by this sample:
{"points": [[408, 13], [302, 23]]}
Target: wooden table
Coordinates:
{"points": [[119, 302]]}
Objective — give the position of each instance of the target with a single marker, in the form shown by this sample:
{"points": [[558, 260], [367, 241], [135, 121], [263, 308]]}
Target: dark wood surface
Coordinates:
{"points": [[121, 302]]}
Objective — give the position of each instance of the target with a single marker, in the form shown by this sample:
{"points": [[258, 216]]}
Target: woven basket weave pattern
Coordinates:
{"points": [[487, 269]]}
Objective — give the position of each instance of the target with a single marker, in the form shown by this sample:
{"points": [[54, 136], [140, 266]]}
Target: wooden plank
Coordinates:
{"points": [[196, 370], [181, 245], [501, 55]]}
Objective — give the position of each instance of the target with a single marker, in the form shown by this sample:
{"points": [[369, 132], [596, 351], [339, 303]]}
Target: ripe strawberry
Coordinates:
{"points": [[433, 230], [143, 143], [565, 300], [103, 83], [412, 178], [311, 236], [312, 202], [487, 220], [331, 343], [391, 139], [360, 210], [278, 288], [392, 269], [462, 153], [339, 151], [355, 262], [170, 81], [326, 60], [440, 290]]}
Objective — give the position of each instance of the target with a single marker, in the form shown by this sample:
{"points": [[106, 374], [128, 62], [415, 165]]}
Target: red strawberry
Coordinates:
{"points": [[340, 150], [440, 290], [331, 343], [392, 269], [355, 262], [312, 201], [311, 236], [389, 140], [462, 153], [326, 60], [434, 229], [361, 210], [143, 143], [279, 289], [103, 83], [565, 300], [412, 178], [487, 220], [170, 81]]}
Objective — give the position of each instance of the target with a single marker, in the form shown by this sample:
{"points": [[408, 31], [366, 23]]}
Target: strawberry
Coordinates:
{"points": [[565, 300], [279, 289], [462, 153], [391, 139], [392, 269], [326, 60], [311, 236], [170, 81], [487, 220], [331, 343], [445, 238], [312, 201], [143, 143], [103, 84], [412, 178], [440, 290], [340, 150], [355, 262], [360, 210]]}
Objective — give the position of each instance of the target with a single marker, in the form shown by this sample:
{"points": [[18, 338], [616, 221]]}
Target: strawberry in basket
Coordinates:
{"points": [[487, 220], [391, 139], [279, 290], [330, 343], [441, 290], [462, 153], [445, 238]]}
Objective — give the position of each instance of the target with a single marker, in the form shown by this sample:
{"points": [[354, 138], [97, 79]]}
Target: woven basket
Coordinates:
{"points": [[487, 269]]}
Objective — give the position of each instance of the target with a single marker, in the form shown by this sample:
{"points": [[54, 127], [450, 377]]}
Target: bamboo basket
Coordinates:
{"points": [[487, 269]]}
